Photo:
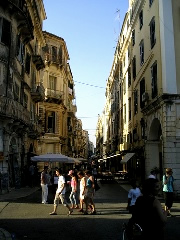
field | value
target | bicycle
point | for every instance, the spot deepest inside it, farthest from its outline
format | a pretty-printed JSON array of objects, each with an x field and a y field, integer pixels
[{"x": 132, "y": 231}]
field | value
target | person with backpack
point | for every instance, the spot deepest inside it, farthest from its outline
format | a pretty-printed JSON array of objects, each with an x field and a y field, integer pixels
[{"x": 168, "y": 190}]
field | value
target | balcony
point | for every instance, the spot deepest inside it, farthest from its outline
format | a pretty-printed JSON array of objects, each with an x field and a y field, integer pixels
[
  {"x": 37, "y": 92},
  {"x": 38, "y": 62},
  {"x": 24, "y": 22},
  {"x": 72, "y": 109},
  {"x": 14, "y": 110},
  {"x": 54, "y": 96}
]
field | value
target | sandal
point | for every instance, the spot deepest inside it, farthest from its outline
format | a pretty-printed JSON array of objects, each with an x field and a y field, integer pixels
[
  {"x": 53, "y": 213},
  {"x": 81, "y": 210},
  {"x": 70, "y": 212}
]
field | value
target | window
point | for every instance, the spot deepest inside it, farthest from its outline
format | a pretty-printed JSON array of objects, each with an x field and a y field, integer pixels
[
  {"x": 142, "y": 90},
  {"x": 141, "y": 52},
  {"x": 129, "y": 76},
  {"x": 141, "y": 19},
  {"x": 33, "y": 111},
  {"x": 52, "y": 82},
  {"x": 60, "y": 55},
  {"x": 124, "y": 113},
  {"x": 27, "y": 65},
  {"x": 133, "y": 37},
  {"x": 5, "y": 31},
  {"x": 154, "y": 80},
  {"x": 152, "y": 32},
  {"x": 54, "y": 54},
  {"x": 124, "y": 86},
  {"x": 25, "y": 100},
  {"x": 50, "y": 119},
  {"x": 134, "y": 67},
  {"x": 150, "y": 2},
  {"x": 121, "y": 72},
  {"x": 129, "y": 51},
  {"x": 20, "y": 50},
  {"x": 135, "y": 102},
  {"x": 129, "y": 104},
  {"x": 16, "y": 90},
  {"x": 135, "y": 135}
]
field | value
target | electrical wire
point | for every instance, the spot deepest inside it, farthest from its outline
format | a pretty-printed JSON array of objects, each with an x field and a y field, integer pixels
[{"x": 91, "y": 85}]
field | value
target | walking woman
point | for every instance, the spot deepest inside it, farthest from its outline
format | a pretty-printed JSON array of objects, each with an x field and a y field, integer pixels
[
  {"x": 82, "y": 189},
  {"x": 74, "y": 188},
  {"x": 168, "y": 190},
  {"x": 89, "y": 198}
]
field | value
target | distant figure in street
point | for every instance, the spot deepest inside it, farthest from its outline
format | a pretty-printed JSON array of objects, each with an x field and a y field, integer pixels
[
  {"x": 148, "y": 212},
  {"x": 44, "y": 185},
  {"x": 55, "y": 183},
  {"x": 94, "y": 173},
  {"x": 168, "y": 189},
  {"x": 60, "y": 194},
  {"x": 133, "y": 194},
  {"x": 31, "y": 175},
  {"x": 152, "y": 174}
]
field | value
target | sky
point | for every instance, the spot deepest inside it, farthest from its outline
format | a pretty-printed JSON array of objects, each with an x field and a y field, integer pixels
[{"x": 90, "y": 29}]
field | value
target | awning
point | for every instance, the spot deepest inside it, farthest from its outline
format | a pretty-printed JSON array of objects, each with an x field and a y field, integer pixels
[
  {"x": 52, "y": 157},
  {"x": 127, "y": 157}
]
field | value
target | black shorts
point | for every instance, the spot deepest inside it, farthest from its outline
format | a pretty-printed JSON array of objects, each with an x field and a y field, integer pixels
[{"x": 168, "y": 197}]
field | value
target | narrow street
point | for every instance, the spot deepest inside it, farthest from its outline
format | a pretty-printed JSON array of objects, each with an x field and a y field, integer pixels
[{"x": 27, "y": 218}]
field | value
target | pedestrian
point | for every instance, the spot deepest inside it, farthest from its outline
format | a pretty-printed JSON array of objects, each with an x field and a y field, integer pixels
[
  {"x": 74, "y": 189},
  {"x": 44, "y": 185},
  {"x": 31, "y": 175},
  {"x": 133, "y": 194},
  {"x": 89, "y": 195},
  {"x": 82, "y": 189},
  {"x": 94, "y": 173},
  {"x": 152, "y": 174},
  {"x": 60, "y": 194},
  {"x": 148, "y": 212},
  {"x": 55, "y": 183},
  {"x": 168, "y": 189}
]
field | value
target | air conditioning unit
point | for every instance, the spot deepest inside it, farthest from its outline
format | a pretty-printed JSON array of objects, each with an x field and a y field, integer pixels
[{"x": 145, "y": 97}]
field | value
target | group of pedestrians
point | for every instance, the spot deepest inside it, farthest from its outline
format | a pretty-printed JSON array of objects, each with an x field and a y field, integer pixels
[
  {"x": 82, "y": 186},
  {"x": 145, "y": 207}
]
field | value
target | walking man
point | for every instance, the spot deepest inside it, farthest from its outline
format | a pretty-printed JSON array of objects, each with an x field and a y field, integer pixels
[
  {"x": 44, "y": 185},
  {"x": 60, "y": 194}
]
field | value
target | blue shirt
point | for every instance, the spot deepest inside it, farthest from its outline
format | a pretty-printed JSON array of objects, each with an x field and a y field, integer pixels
[{"x": 169, "y": 186}]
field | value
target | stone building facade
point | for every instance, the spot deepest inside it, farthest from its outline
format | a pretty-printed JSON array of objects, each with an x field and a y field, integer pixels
[
  {"x": 143, "y": 93},
  {"x": 37, "y": 96}
]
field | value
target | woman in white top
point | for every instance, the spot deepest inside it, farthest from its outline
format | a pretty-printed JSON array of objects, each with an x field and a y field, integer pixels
[{"x": 82, "y": 189}]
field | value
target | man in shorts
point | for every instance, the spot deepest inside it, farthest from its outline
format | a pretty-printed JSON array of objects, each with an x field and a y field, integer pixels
[{"x": 60, "y": 193}]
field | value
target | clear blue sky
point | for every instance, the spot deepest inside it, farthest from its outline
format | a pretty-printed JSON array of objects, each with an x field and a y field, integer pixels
[{"x": 90, "y": 29}]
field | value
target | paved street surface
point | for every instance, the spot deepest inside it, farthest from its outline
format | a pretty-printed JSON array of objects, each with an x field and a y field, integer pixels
[{"x": 27, "y": 218}]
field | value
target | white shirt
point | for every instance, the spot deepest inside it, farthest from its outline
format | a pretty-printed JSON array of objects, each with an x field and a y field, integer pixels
[
  {"x": 152, "y": 176},
  {"x": 61, "y": 181},
  {"x": 134, "y": 194}
]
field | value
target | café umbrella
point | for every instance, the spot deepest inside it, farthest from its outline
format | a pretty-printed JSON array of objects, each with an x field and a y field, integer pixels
[{"x": 52, "y": 157}]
